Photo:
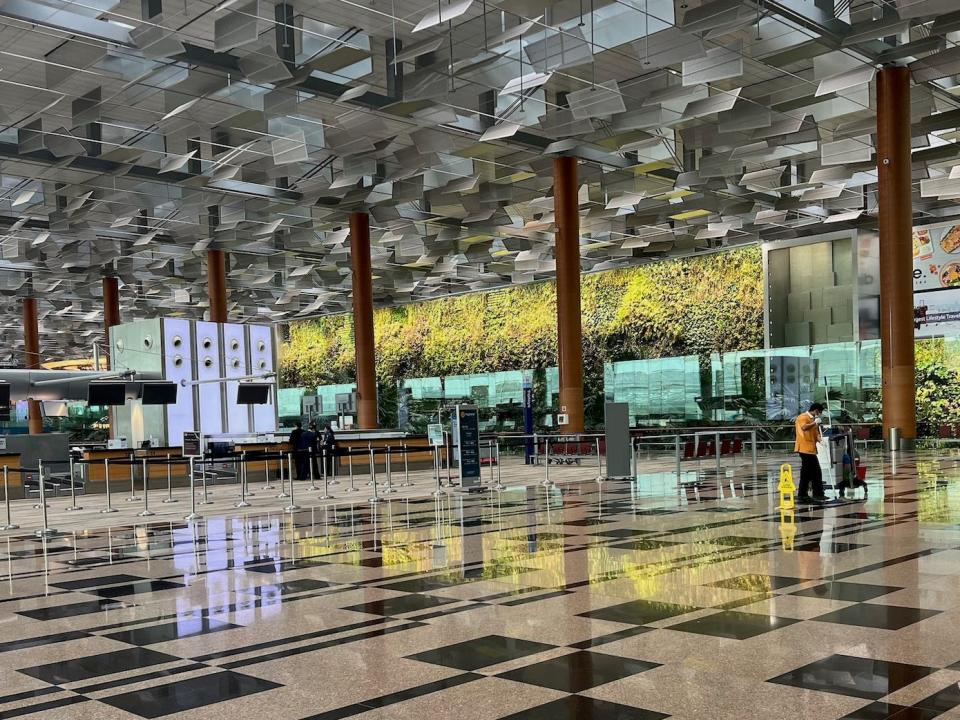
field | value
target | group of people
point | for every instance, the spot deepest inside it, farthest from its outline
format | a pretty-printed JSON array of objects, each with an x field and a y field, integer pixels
[
  {"x": 808, "y": 434},
  {"x": 308, "y": 447}
]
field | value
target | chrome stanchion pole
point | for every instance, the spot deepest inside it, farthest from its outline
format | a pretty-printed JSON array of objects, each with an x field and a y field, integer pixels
[
  {"x": 546, "y": 461},
  {"x": 266, "y": 475},
  {"x": 73, "y": 488},
  {"x": 490, "y": 448},
  {"x": 352, "y": 488},
  {"x": 203, "y": 479},
  {"x": 243, "y": 483},
  {"x": 436, "y": 471},
  {"x": 389, "y": 468},
  {"x": 45, "y": 530},
  {"x": 373, "y": 478},
  {"x": 283, "y": 484},
  {"x": 106, "y": 478},
  {"x": 326, "y": 479},
  {"x": 133, "y": 490},
  {"x": 372, "y": 461},
  {"x": 292, "y": 507},
  {"x": 406, "y": 467},
  {"x": 169, "y": 498},
  {"x": 676, "y": 450},
  {"x": 499, "y": 484},
  {"x": 6, "y": 499},
  {"x": 600, "y": 477},
  {"x": 146, "y": 512},
  {"x": 193, "y": 492},
  {"x": 311, "y": 459}
]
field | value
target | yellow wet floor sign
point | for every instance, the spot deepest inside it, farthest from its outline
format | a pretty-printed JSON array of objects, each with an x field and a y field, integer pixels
[{"x": 786, "y": 487}]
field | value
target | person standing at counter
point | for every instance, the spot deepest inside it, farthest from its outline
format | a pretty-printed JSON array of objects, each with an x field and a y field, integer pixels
[
  {"x": 296, "y": 445},
  {"x": 329, "y": 445}
]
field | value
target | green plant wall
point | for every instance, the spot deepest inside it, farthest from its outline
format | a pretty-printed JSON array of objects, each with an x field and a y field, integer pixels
[{"x": 698, "y": 306}]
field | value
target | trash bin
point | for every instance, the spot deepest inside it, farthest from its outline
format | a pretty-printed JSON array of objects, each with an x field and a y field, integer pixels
[{"x": 893, "y": 439}]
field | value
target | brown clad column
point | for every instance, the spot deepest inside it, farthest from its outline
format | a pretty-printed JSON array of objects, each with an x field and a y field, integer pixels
[
  {"x": 111, "y": 309},
  {"x": 363, "y": 320},
  {"x": 896, "y": 255},
  {"x": 217, "y": 285},
  {"x": 31, "y": 359},
  {"x": 567, "y": 253}
]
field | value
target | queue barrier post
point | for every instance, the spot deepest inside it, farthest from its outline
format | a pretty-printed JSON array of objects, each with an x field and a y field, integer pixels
[
  {"x": 292, "y": 507},
  {"x": 242, "y": 472},
  {"x": 406, "y": 467},
  {"x": 436, "y": 471},
  {"x": 133, "y": 490},
  {"x": 6, "y": 499},
  {"x": 373, "y": 478},
  {"x": 283, "y": 486},
  {"x": 326, "y": 478},
  {"x": 193, "y": 492},
  {"x": 146, "y": 512},
  {"x": 44, "y": 531},
  {"x": 389, "y": 469},
  {"x": 311, "y": 460},
  {"x": 169, "y": 498},
  {"x": 352, "y": 488},
  {"x": 106, "y": 479},
  {"x": 73, "y": 488},
  {"x": 498, "y": 485}
]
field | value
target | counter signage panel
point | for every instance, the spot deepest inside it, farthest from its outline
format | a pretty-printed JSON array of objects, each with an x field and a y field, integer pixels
[
  {"x": 192, "y": 446},
  {"x": 435, "y": 434},
  {"x": 468, "y": 442}
]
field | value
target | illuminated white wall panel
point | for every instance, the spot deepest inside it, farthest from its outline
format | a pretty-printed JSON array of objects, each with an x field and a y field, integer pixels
[
  {"x": 260, "y": 342},
  {"x": 235, "y": 365},
  {"x": 177, "y": 366},
  {"x": 208, "y": 367}
]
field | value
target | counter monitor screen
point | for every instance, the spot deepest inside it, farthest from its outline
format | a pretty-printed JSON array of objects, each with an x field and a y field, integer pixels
[
  {"x": 106, "y": 393},
  {"x": 159, "y": 393},
  {"x": 253, "y": 393}
]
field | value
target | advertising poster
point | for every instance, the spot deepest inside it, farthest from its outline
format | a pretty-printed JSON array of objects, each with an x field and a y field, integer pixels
[{"x": 936, "y": 280}]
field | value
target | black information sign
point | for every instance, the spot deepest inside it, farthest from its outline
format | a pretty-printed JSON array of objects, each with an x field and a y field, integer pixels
[
  {"x": 191, "y": 445},
  {"x": 468, "y": 440}
]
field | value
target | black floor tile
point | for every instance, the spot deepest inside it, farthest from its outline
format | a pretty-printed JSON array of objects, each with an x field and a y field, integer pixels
[
  {"x": 611, "y": 637},
  {"x": 189, "y": 694},
  {"x": 854, "y": 676},
  {"x": 827, "y": 548},
  {"x": 400, "y": 605},
  {"x": 734, "y": 625},
  {"x": 58, "y": 612},
  {"x": 578, "y": 671},
  {"x": 89, "y": 561},
  {"x": 288, "y": 587},
  {"x": 886, "y": 617},
  {"x": 38, "y": 551},
  {"x": 644, "y": 544},
  {"x": 136, "y": 588},
  {"x": 183, "y": 628},
  {"x": 874, "y": 711},
  {"x": 91, "y": 666},
  {"x": 736, "y": 540},
  {"x": 24, "y": 643},
  {"x": 577, "y": 707},
  {"x": 480, "y": 653},
  {"x": 942, "y": 701},
  {"x": 96, "y": 582},
  {"x": 638, "y": 612},
  {"x": 622, "y": 533},
  {"x": 851, "y": 592},
  {"x": 757, "y": 583}
]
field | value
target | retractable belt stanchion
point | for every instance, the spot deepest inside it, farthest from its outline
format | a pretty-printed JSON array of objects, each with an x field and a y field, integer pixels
[
  {"x": 203, "y": 479},
  {"x": 323, "y": 471},
  {"x": 599, "y": 461},
  {"x": 373, "y": 478},
  {"x": 45, "y": 530},
  {"x": 266, "y": 473},
  {"x": 332, "y": 472},
  {"x": 73, "y": 488},
  {"x": 546, "y": 461},
  {"x": 491, "y": 463},
  {"x": 242, "y": 468},
  {"x": 352, "y": 488},
  {"x": 292, "y": 507},
  {"x": 133, "y": 490},
  {"x": 436, "y": 471},
  {"x": 146, "y": 512},
  {"x": 389, "y": 468},
  {"x": 169, "y": 498},
  {"x": 498, "y": 485},
  {"x": 106, "y": 479},
  {"x": 406, "y": 467},
  {"x": 372, "y": 468},
  {"x": 193, "y": 492},
  {"x": 6, "y": 499},
  {"x": 283, "y": 487},
  {"x": 311, "y": 460}
]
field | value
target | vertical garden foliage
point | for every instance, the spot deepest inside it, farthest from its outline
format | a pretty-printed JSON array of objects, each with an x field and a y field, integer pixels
[{"x": 698, "y": 306}]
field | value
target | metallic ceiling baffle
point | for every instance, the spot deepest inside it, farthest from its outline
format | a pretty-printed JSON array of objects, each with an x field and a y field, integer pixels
[
  {"x": 217, "y": 285},
  {"x": 123, "y": 125},
  {"x": 31, "y": 359},
  {"x": 896, "y": 252},
  {"x": 364, "y": 342},
  {"x": 567, "y": 253}
]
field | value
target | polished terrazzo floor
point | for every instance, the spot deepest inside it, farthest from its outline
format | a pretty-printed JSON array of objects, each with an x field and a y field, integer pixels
[{"x": 642, "y": 599}]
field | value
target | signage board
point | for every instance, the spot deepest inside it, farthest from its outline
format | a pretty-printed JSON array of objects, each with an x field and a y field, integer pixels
[
  {"x": 192, "y": 444},
  {"x": 468, "y": 444},
  {"x": 3, "y": 442},
  {"x": 936, "y": 279},
  {"x": 435, "y": 434}
]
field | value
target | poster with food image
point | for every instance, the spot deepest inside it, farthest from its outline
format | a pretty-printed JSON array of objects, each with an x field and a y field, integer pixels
[{"x": 936, "y": 279}]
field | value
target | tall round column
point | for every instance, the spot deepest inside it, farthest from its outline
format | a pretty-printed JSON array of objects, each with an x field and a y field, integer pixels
[
  {"x": 217, "y": 285},
  {"x": 567, "y": 253},
  {"x": 896, "y": 254},
  {"x": 363, "y": 320},
  {"x": 111, "y": 309},
  {"x": 31, "y": 359}
]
